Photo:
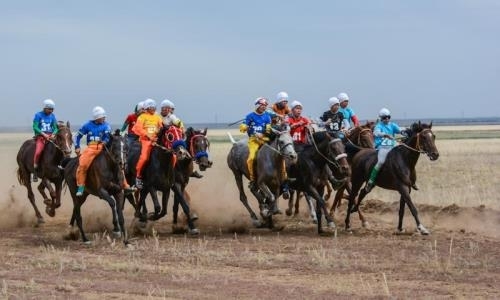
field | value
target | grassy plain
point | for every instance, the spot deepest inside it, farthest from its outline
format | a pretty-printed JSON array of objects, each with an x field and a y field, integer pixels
[{"x": 458, "y": 201}]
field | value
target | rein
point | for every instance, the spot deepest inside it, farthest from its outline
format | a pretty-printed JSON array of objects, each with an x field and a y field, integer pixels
[
  {"x": 196, "y": 156},
  {"x": 337, "y": 158},
  {"x": 356, "y": 145},
  {"x": 418, "y": 148},
  {"x": 279, "y": 151}
]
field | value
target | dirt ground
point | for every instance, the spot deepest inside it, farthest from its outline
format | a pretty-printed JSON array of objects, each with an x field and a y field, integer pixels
[{"x": 231, "y": 259}]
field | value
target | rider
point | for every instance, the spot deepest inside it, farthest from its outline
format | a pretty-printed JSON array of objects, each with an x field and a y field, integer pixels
[
  {"x": 169, "y": 118},
  {"x": 130, "y": 122},
  {"x": 280, "y": 107},
  {"x": 384, "y": 133},
  {"x": 98, "y": 133},
  {"x": 256, "y": 125},
  {"x": 147, "y": 127},
  {"x": 349, "y": 114},
  {"x": 45, "y": 128},
  {"x": 298, "y": 126},
  {"x": 333, "y": 118}
]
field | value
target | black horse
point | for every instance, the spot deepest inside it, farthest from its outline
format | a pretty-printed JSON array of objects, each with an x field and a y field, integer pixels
[
  {"x": 159, "y": 175},
  {"x": 312, "y": 174},
  {"x": 52, "y": 155},
  {"x": 398, "y": 171},
  {"x": 104, "y": 180}
]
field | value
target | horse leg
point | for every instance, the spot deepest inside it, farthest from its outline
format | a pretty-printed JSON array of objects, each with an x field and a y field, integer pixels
[
  {"x": 141, "y": 206},
  {"x": 185, "y": 208},
  {"x": 58, "y": 185},
  {"x": 401, "y": 214},
  {"x": 312, "y": 210},
  {"x": 194, "y": 215},
  {"x": 288, "y": 211},
  {"x": 31, "y": 197},
  {"x": 164, "y": 203},
  {"x": 337, "y": 200},
  {"x": 352, "y": 204},
  {"x": 120, "y": 203},
  {"x": 156, "y": 203},
  {"x": 112, "y": 203},
  {"x": 297, "y": 204},
  {"x": 405, "y": 196},
  {"x": 41, "y": 189},
  {"x": 77, "y": 216},
  {"x": 329, "y": 190},
  {"x": 243, "y": 198}
]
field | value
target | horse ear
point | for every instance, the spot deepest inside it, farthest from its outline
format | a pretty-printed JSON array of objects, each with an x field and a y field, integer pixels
[
  {"x": 430, "y": 125},
  {"x": 67, "y": 124},
  {"x": 205, "y": 131}
]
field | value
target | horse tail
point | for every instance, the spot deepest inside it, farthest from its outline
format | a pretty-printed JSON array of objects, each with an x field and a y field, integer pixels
[
  {"x": 20, "y": 176},
  {"x": 233, "y": 141}
]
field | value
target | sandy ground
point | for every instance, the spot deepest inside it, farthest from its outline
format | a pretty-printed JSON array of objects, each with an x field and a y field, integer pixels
[{"x": 232, "y": 259}]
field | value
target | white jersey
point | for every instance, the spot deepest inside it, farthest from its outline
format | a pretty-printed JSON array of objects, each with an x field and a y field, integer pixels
[{"x": 171, "y": 119}]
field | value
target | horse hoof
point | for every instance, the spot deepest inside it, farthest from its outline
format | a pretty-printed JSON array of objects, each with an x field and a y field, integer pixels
[
  {"x": 194, "y": 231},
  {"x": 423, "y": 230},
  {"x": 288, "y": 212},
  {"x": 315, "y": 221},
  {"x": 50, "y": 211},
  {"x": 354, "y": 209},
  {"x": 47, "y": 202},
  {"x": 365, "y": 224},
  {"x": 117, "y": 234},
  {"x": 57, "y": 205},
  {"x": 40, "y": 221},
  {"x": 194, "y": 217},
  {"x": 87, "y": 243},
  {"x": 277, "y": 212},
  {"x": 265, "y": 213},
  {"x": 331, "y": 225},
  {"x": 256, "y": 223}
]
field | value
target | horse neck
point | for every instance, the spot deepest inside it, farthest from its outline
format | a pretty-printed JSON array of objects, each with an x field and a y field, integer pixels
[
  {"x": 411, "y": 155},
  {"x": 52, "y": 153}
]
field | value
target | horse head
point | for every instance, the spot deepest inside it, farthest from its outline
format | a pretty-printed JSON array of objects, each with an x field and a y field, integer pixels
[
  {"x": 198, "y": 147},
  {"x": 362, "y": 136},
  {"x": 117, "y": 148},
  {"x": 284, "y": 143},
  {"x": 63, "y": 138},
  {"x": 421, "y": 137},
  {"x": 171, "y": 137},
  {"x": 336, "y": 154}
]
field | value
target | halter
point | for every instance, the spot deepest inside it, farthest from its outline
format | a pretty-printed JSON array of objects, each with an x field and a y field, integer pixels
[
  {"x": 59, "y": 147},
  {"x": 278, "y": 149},
  {"x": 419, "y": 147},
  {"x": 199, "y": 154},
  {"x": 337, "y": 158}
]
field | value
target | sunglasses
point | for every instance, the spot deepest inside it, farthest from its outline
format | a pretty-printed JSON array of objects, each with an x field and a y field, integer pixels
[{"x": 386, "y": 118}]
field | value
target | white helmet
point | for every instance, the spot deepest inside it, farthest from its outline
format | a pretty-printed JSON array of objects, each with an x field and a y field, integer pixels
[
  {"x": 98, "y": 112},
  {"x": 140, "y": 105},
  {"x": 384, "y": 112},
  {"x": 260, "y": 101},
  {"x": 282, "y": 96},
  {"x": 149, "y": 103},
  {"x": 48, "y": 103},
  {"x": 296, "y": 103},
  {"x": 343, "y": 97},
  {"x": 167, "y": 103},
  {"x": 333, "y": 100}
]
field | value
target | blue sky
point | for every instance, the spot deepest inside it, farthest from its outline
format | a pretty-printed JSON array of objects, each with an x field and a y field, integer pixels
[{"x": 421, "y": 59}]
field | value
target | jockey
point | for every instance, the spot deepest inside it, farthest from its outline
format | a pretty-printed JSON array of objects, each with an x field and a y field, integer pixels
[
  {"x": 280, "y": 107},
  {"x": 130, "y": 122},
  {"x": 147, "y": 127},
  {"x": 384, "y": 133},
  {"x": 349, "y": 114},
  {"x": 45, "y": 127},
  {"x": 256, "y": 125},
  {"x": 298, "y": 126},
  {"x": 333, "y": 118},
  {"x": 167, "y": 113},
  {"x": 98, "y": 133}
]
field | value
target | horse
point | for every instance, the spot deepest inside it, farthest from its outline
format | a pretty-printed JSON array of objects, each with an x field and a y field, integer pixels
[
  {"x": 104, "y": 180},
  {"x": 268, "y": 172},
  {"x": 312, "y": 174},
  {"x": 358, "y": 138},
  {"x": 48, "y": 170},
  {"x": 198, "y": 146},
  {"x": 397, "y": 173},
  {"x": 159, "y": 175}
]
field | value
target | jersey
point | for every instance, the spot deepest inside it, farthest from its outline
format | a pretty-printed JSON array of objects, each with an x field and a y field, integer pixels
[
  {"x": 348, "y": 116},
  {"x": 281, "y": 112},
  {"x": 298, "y": 132},
  {"x": 257, "y": 123},
  {"x": 336, "y": 119},
  {"x": 172, "y": 119},
  {"x": 130, "y": 122},
  {"x": 96, "y": 133},
  {"x": 382, "y": 129},
  {"x": 148, "y": 125},
  {"x": 44, "y": 123}
]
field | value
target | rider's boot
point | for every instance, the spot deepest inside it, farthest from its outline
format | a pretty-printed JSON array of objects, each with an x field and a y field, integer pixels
[
  {"x": 80, "y": 190},
  {"x": 35, "y": 170},
  {"x": 371, "y": 182}
]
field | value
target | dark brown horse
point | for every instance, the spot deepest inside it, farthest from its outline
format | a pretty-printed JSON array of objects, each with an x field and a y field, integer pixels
[
  {"x": 396, "y": 173},
  {"x": 104, "y": 180},
  {"x": 53, "y": 153},
  {"x": 358, "y": 138},
  {"x": 312, "y": 174}
]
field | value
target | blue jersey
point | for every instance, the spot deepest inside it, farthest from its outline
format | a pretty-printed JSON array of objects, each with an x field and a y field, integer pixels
[
  {"x": 96, "y": 133},
  {"x": 257, "y": 123},
  {"x": 348, "y": 114},
  {"x": 43, "y": 123},
  {"x": 382, "y": 129}
]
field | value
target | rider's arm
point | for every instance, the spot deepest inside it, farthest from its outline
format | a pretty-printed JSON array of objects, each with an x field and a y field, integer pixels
[
  {"x": 55, "y": 127},
  {"x": 355, "y": 120}
]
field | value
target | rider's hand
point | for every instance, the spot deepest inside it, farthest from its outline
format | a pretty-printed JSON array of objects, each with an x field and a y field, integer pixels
[
  {"x": 259, "y": 135},
  {"x": 52, "y": 137},
  {"x": 387, "y": 136},
  {"x": 77, "y": 151}
]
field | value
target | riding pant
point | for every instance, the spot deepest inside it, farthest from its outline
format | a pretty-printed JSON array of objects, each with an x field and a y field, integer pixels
[
  {"x": 146, "y": 147},
  {"x": 253, "y": 146},
  {"x": 381, "y": 155},
  {"x": 40, "y": 142},
  {"x": 85, "y": 160}
]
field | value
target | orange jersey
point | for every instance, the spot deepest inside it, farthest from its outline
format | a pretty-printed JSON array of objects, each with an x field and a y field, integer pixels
[
  {"x": 281, "y": 112},
  {"x": 148, "y": 125}
]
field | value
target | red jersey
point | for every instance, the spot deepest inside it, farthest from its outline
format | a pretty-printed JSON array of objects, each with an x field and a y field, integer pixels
[
  {"x": 298, "y": 129},
  {"x": 130, "y": 121}
]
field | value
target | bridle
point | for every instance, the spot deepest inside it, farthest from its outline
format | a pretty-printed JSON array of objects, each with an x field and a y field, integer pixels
[
  {"x": 362, "y": 132},
  {"x": 279, "y": 149},
  {"x": 419, "y": 148},
  {"x": 338, "y": 157},
  {"x": 199, "y": 154}
]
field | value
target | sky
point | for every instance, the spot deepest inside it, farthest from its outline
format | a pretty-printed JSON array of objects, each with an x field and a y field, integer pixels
[{"x": 421, "y": 59}]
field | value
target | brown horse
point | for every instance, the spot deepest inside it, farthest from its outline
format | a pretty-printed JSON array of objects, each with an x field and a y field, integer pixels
[
  {"x": 397, "y": 172},
  {"x": 358, "y": 138},
  {"x": 53, "y": 153}
]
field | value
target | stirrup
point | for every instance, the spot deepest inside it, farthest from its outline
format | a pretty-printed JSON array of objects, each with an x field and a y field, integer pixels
[
  {"x": 79, "y": 191},
  {"x": 368, "y": 187},
  {"x": 138, "y": 183},
  {"x": 35, "y": 178}
]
